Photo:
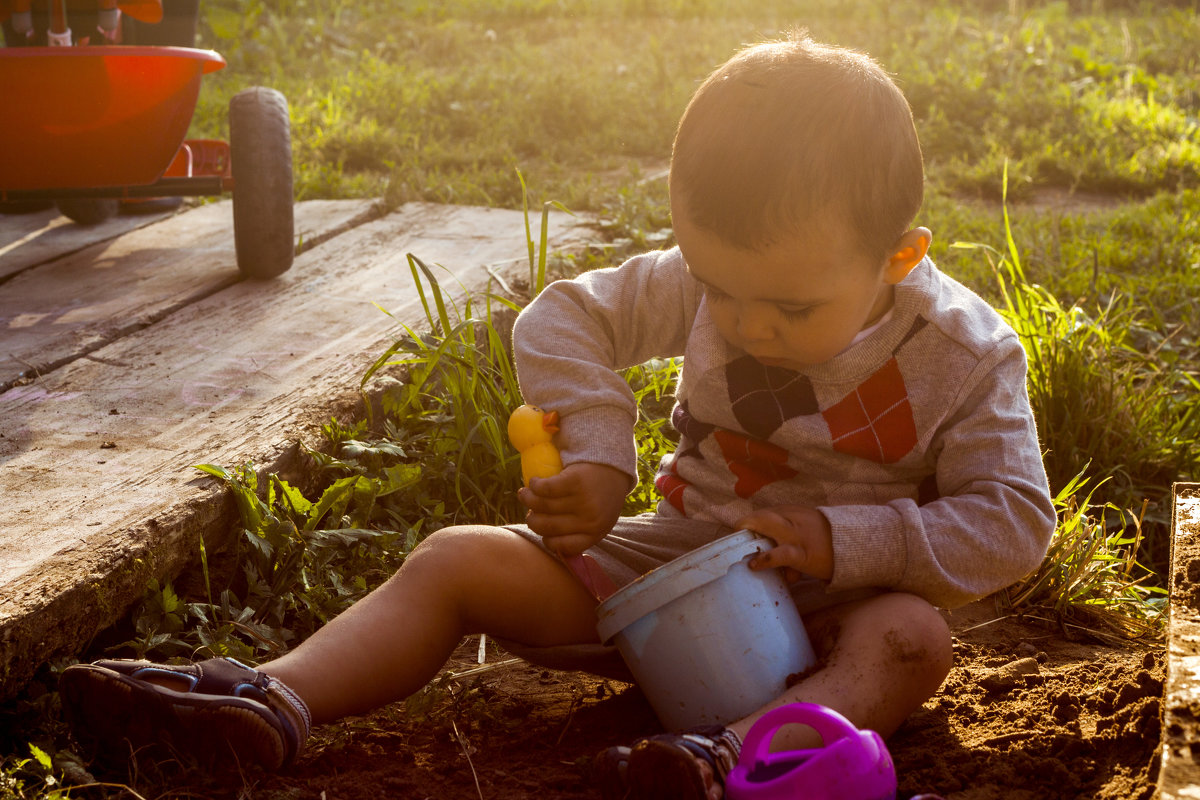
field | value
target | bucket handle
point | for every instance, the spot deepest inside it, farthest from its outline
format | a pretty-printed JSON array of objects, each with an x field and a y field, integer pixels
[{"x": 829, "y": 724}]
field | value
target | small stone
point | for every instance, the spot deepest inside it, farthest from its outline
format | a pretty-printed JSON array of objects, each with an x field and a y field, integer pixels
[{"x": 1006, "y": 677}]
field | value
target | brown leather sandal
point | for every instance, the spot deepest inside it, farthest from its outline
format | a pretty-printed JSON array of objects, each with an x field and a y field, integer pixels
[
  {"x": 667, "y": 766},
  {"x": 222, "y": 710}
]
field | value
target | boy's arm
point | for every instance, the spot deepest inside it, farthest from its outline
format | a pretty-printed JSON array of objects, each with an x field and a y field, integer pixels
[
  {"x": 994, "y": 517},
  {"x": 570, "y": 340}
]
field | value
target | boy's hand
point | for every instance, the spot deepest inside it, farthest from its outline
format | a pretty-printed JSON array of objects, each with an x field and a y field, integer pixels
[
  {"x": 575, "y": 508},
  {"x": 803, "y": 541}
]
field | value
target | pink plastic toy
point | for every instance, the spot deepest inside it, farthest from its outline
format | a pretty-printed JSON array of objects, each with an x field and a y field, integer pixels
[{"x": 853, "y": 764}]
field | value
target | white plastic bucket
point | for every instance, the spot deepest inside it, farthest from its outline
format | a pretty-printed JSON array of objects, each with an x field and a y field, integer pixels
[{"x": 707, "y": 639}]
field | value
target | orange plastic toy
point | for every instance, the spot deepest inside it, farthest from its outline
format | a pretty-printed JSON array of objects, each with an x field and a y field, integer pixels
[
  {"x": 89, "y": 122},
  {"x": 86, "y": 117}
]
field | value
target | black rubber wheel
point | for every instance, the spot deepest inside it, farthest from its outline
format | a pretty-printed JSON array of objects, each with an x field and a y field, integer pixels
[
  {"x": 89, "y": 210},
  {"x": 260, "y": 144}
]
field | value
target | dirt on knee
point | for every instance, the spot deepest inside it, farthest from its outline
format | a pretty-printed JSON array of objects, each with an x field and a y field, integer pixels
[
  {"x": 902, "y": 650},
  {"x": 824, "y": 636}
]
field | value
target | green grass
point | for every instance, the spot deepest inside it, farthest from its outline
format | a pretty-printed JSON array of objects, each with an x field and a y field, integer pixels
[
  {"x": 1090, "y": 583},
  {"x": 441, "y": 101},
  {"x": 1094, "y": 100},
  {"x": 1113, "y": 411}
]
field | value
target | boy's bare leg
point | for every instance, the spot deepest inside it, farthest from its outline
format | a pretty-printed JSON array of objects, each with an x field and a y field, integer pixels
[
  {"x": 459, "y": 581},
  {"x": 882, "y": 658}
]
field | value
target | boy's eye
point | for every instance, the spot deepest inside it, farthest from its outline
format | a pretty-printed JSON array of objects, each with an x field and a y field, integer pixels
[{"x": 796, "y": 314}]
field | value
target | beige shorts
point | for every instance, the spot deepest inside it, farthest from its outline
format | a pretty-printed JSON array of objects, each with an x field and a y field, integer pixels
[{"x": 635, "y": 546}]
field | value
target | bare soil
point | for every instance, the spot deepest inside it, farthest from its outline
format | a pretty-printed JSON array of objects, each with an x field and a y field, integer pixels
[{"x": 1026, "y": 713}]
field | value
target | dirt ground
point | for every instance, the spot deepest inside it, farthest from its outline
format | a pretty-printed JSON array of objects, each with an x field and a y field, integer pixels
[{"x": 1026, "y": 713}]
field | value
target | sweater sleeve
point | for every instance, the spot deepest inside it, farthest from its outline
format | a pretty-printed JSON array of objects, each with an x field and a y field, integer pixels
[
  {"x": 993, "y": 518},
  {"x": 569, "y": 342}
]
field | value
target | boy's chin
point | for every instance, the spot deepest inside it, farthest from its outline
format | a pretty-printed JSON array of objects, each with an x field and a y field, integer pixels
[{"x": 782, "y": 363}]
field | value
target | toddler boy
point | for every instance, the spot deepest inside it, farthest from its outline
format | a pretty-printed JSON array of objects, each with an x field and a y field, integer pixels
[{"x": 838, "y": 395}]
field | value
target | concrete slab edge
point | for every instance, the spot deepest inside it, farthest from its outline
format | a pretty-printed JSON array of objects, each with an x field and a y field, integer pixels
[{"x": 1179, "y": 774}]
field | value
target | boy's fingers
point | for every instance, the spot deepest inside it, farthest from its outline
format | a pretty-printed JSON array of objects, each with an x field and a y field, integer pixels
[
  {"x": 764, "y": 522},
  {"x": 545, "y": 504},
  {"x": 545, "y": 524},
  {"x": 566, "y": 524},
  {"x": 785, "y": 555},
  {"x": 570, "y": 544},
  {"x": 556, "y": 486}
]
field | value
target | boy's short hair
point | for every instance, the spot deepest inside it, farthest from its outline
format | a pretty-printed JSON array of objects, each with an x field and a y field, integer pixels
[{"x": 788, "y": 135}]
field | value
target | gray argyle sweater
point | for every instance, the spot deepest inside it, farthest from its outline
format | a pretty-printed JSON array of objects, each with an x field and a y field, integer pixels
[{"x": 917, "y": 443}]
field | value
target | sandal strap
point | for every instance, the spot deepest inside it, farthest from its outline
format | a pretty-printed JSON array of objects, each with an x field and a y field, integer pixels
[
  {"x": 715, "y": 744},
  {"x": 225, "y": 676}
]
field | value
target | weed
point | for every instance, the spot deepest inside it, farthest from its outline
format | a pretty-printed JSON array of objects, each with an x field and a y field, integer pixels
[
  {"x": 29, "y": 777},
  {"x": 300, "y": 563},
  {"x": 653, "y": 385},
  {"x": 1090, "y": 581},
  {"x": 1100, "y": 401}
]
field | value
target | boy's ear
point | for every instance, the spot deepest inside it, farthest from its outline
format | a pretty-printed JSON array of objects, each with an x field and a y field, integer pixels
[{"x": 906, "y": 254}]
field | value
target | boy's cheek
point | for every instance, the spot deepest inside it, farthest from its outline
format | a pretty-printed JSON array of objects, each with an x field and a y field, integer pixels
[{"x": 725, "y": 323}]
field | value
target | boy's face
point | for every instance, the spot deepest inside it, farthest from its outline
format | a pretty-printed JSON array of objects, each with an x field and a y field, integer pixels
[{"x": 794, "y": 304}]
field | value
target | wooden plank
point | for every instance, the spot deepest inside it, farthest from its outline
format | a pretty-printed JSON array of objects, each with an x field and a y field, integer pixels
[
  {"x": 96, "y": 457},
  {"x": 27, "y": 240},
  {"x": 74, "y": 305},
  {"x": 1179, "y": 775}
]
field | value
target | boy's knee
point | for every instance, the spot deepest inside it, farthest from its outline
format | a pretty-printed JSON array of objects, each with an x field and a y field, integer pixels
[
  {"x": 916, "y": 635},
  {"x": 459, "y": 544}
]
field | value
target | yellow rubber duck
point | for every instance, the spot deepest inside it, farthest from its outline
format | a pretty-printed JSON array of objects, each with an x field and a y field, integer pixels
[{"x": 531, "y": 430}]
